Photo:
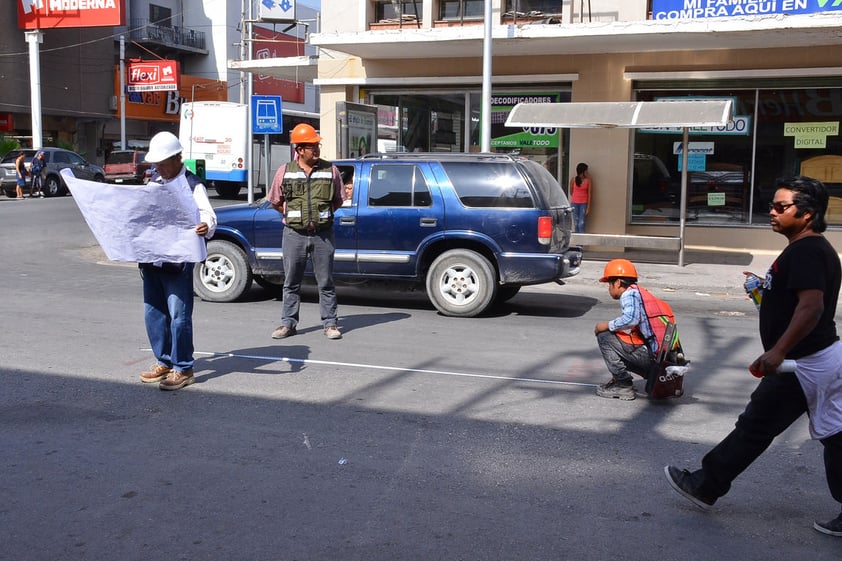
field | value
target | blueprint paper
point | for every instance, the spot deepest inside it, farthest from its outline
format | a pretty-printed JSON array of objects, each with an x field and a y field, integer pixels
[{"x": 141, "y": 223}]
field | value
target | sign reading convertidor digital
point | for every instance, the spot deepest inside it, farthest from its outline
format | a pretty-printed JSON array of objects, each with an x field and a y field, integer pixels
[
  {"x": 48, "y": 14},
  {"x": 704, "y": 9},
  {"x": 811, "y": 135}
]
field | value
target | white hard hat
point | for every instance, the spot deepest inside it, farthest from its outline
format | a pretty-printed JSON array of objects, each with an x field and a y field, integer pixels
[{"x": 162, "y": 146}]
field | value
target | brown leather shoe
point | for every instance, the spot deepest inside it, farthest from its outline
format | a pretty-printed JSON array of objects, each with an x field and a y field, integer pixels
[
  {"x": 156, "y": 374},
  {"x": 282, "y": 332},
  {"x": 177, "y": 380}
]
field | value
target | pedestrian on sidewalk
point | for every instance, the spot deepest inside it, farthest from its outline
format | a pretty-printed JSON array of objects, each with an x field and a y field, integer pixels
[
  {"x": 20, "y": 176},
  {"x": 35, "y": 170},
  {"x": 581, "y": 188},
  {"x": 797, "y": 309}
]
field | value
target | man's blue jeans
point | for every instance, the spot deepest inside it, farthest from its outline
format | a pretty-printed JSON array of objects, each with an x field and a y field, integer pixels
[
  {"x": 320, "y": 248},
  {"x": 168, "y": 313}
]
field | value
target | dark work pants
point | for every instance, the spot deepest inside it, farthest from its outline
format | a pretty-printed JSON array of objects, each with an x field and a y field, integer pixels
[
  {"x": 777, "y": 402},
  {"x": 623, "y": 358}
]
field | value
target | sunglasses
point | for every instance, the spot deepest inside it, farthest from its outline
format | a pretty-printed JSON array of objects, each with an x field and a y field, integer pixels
[
  {"x": 780, "y": 208},
  {"x": 311, "y": 147}
]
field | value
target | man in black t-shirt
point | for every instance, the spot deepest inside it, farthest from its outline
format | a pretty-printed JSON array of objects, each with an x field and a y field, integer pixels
[{"x": 800, "y": 293}]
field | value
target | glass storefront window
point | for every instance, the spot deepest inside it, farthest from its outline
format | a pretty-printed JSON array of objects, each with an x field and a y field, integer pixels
[
  {"x": 450, "y": 122},
  {"x": 731, "y": 170},
  {"x": 798, "y": 134}
]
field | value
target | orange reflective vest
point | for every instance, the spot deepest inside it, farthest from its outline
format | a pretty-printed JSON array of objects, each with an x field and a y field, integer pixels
[{"x": 633, "y": 337}]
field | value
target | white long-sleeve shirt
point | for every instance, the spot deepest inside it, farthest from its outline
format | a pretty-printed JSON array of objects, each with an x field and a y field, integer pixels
[{"x": 200, "y": 195}]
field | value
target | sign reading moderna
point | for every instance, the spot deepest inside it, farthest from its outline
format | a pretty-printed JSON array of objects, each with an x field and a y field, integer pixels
[
  {"x": 704, "y": 9},
  {"x": 48, "y": 14}
]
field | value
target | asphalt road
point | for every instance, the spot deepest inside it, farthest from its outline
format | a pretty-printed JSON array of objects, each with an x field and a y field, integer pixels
[{"x": 415, "y": 437}]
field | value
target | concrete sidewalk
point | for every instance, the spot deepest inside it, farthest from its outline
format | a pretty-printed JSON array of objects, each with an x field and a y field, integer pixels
[{"x": 708, "y": 270}]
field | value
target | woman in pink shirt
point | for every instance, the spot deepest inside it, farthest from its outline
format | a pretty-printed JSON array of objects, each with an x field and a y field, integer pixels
[{"x": 580, "y": 196}]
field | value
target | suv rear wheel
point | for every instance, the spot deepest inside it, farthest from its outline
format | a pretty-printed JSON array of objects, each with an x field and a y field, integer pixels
[
  {"x": 461, "y": 283},
  {"x": 225, "y": 275}
]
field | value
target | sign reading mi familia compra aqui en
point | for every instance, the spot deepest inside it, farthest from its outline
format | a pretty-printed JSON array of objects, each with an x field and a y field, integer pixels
[{"x": 703, "y": 9}]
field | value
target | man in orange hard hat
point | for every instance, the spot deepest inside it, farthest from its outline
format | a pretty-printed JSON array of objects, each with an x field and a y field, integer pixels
[
  {"x": 623, "y": 340},
  {"x": 307, "y": 191}
]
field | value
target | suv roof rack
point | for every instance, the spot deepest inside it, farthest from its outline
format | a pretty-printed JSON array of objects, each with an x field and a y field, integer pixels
[{"x": 481, "y": 156}]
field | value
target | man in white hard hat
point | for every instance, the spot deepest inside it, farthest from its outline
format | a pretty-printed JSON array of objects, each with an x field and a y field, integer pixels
[{"x": 168, "y": 287}]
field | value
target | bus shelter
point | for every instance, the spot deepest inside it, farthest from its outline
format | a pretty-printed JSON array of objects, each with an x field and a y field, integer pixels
[{"x": 684, "y": 114}]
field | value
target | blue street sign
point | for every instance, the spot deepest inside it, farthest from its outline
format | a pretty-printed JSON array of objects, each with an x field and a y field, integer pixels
[{"x": 266, "y": 115}]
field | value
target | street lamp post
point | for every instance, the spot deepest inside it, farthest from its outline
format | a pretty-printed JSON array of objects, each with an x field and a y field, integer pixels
[
  {"x": 485, "y": 110},
  {"x": 193, "y": 113}
]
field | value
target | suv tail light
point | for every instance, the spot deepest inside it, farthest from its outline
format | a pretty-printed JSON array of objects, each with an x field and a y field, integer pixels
[{"x": 545, "y": 229}]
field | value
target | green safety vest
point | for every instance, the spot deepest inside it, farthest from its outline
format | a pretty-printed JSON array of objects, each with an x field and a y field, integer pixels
[{"x": 309, "y": 200}]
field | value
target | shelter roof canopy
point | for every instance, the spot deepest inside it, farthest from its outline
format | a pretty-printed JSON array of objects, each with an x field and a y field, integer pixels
[{"x": 623, "y": 114}]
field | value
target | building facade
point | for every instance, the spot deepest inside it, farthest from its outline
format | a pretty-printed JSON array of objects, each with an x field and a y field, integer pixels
[
  {"x": 421, "y": 63},
  {"x": 80, "y": 81}
]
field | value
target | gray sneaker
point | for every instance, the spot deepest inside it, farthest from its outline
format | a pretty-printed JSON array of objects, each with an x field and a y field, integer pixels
[
  {"x": 282, "y": 332},
  {"x": 832, "y": 528},
  {"x": 615, "y": 390},
  {"x": 332, "y": 332}
]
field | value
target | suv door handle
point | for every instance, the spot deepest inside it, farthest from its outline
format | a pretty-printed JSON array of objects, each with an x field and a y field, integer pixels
[
  {"x": 429, "y": 222},
  {"x": 347, "y": 220}
]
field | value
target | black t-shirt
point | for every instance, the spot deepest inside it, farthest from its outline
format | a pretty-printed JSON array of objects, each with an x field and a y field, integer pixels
[{"x": 808, "y": 263}]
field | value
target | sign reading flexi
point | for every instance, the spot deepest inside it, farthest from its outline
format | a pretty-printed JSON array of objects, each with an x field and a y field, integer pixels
[
  {"x": 152, "y": 76},
  {"x": 48, "y": 14}
]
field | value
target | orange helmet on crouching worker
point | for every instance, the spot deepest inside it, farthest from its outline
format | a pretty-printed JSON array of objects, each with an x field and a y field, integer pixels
[
  {"x": 303, "y": 133},
  {"x": 619, "y": 268}
]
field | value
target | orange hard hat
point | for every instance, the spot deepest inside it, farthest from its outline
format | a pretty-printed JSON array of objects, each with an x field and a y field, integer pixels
[
  {"x": 619, "y": 268},
  {"x": 303, "y": 133}
]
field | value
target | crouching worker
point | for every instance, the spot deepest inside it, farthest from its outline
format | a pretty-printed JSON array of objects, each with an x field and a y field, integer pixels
[{"x": 623, "y": 340}]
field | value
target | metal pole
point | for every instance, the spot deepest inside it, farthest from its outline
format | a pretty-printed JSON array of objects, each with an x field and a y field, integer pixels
[
  {"x": 683, "y": 208},
  {"x": 267, "y": 147},
  {"x": 34, "y": 38},
  {"x": 192, "y": 116},
  {"x": 250, "y": 85},
  {"x": 243, "y": 36},
  {"x": 485, "y": 111},
  {"x": 122, "y": 92}
]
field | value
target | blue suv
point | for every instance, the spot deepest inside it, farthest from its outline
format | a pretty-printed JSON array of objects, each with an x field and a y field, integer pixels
[{"x": 473, "y": 228}]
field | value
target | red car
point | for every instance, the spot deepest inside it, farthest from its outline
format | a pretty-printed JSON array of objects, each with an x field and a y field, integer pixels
[{"x": 127, "y": 166}]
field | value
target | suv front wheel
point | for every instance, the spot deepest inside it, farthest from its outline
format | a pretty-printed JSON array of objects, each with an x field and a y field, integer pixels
[
  {"x": 225, "y": 275},
  {"x": 461, "y": 283}
]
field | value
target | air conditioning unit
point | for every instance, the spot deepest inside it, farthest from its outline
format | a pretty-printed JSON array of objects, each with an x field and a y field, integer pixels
[{"x": 112, "y": 104}]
